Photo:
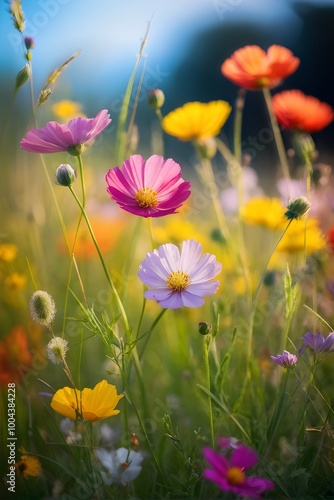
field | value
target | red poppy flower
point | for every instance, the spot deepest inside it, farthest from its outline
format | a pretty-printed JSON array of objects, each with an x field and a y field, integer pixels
[
  {"x": 297, "y": 111},
  {"x": 253, "y": 68}
]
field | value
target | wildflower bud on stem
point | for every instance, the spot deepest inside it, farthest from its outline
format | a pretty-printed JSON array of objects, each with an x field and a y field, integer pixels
[
  {"x": 65, "y": 175},
  {"x": 156, "y": 98},
  {"x": 297, "y": 207},
  {"x": 204, "y": 328}
]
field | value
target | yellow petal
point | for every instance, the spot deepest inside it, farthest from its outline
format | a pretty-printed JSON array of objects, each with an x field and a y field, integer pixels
[{"x": 197, "y": 120}]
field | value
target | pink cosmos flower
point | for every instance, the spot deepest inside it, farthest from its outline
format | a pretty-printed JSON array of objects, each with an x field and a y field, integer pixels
[
  {"x": 149, "y": 189},
  {"x": 179, "y": 279},
  {"x": 55, "y": 137},
  {"x": 229, "y": 473},
  {"x": 286, "y": 359}
]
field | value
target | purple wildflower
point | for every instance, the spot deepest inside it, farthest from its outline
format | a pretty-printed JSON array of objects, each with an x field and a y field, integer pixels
[
  {"x": 317, "y": 343},
  {"x": 229, "y": 473},
  {"x": 55, "y": 137},
  {"x": 287, "y": 360},
  {"x": 179, "y": 279}
]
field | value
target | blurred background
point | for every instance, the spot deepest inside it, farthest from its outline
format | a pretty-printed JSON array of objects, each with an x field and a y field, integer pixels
[{"x": 187, "y": 43}]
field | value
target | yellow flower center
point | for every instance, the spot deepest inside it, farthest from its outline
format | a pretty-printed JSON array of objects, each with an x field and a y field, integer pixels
[
  {"x": 178, "y": 281},
  {"x": 235, "y": 476},
  {"x": 146, "y": 198}
]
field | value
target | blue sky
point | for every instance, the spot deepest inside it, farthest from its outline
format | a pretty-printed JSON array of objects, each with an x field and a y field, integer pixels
[{"x": 109, "y": 34}]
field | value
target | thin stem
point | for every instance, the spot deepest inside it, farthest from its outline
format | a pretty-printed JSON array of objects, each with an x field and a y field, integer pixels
[
  {"x": 252, "y": 313},
  {"x": 238, "y": 125},
  {"x": 206, "y": 346},
  {"x": 149, "y": 333},
  {"x": 112, "y": 286},
  {"x": 277, "y": 135},
  {"x": 150, "y": 230},
  {"x": 212, "y": 186}
]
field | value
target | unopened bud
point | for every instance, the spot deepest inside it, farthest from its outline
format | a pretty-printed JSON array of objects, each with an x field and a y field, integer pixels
[
  {"x": 156, "y": 98},
  {"x": 304, "y": 145},
  {"x": 134, "y": 442},
  {"x": 29, "y": 42},
  {"x": 297, "y": 208},
  {"x": 42, "y": 307},
  {"x": 204, "y": 328},
  {"x": 65, "y": 175},
  {"x": 22, "y": 77},
  {"x": 206, "y": 148}
]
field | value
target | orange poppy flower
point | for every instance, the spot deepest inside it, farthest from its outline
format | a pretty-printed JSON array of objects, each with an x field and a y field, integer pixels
[
  {"x": 14, "y": 356},
  {"x": 253, "y": 68},
  {"x": 296, "y": 111},
  {"x": 107, "y": 233}
]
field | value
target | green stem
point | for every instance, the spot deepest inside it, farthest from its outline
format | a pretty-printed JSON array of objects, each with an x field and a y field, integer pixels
[
  {"x": 150, "y": 230},
  {"x": 252, "y": 315},
  {"x": 238, "y": 126},
  {"x": 212, "y": 186},
  {"x": 206, "y": 346},
  {"x": 112, "y": 286},
  {"x": 277, "y": 415},
  {"x": 149, "y": 333},
  {"x": 277, "y": 135}
]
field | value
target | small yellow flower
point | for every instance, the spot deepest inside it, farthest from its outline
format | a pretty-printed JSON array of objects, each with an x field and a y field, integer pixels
[
  {"x": 28, "y": 465},
  {"x": 67, "y": 110},
  {"x": 196, "y": 121},
  {"x": 15, "y": 281},
  {"x": 264, "y": 211},
  {"x": 8, "y": 252},
  {"x": 301, "y": 236},
  {"x": 90, "y": 404}
]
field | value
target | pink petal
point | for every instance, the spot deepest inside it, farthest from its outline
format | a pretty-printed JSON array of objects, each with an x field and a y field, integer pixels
[{"x": 244, "y": 457}]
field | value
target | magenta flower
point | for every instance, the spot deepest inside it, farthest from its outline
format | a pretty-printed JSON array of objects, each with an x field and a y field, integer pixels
[
  {"x": 55, "y": 137},
  {"x": 179, "y": 279},
  {"x": 229, "y": 473},
  {"x": 286, "y": 359},
  {"x": 317, "y": 343},
  {"x": 149, "y": 189}
]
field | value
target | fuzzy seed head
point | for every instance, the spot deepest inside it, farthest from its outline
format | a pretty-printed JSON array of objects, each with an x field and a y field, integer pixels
[
  {"x": 57, "y": 349},
  {"x": 42, "y": 307}
]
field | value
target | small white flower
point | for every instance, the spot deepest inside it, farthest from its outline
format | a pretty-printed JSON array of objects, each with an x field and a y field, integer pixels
[{"x": 122, "y": 465}]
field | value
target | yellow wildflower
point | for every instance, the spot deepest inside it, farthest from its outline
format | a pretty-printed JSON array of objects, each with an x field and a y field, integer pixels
[
  {"x": 196, "y": 121},
  {"x": 15, "y": 281},
  {"x": 264, "y": 211},
  {"x": 90, "y": 404},
  {"x": 67, "y": 110},
  {"x": 28, "y": 465},
  {"x": 8, "y": 252},
  {"x": 302, "y": 236}
]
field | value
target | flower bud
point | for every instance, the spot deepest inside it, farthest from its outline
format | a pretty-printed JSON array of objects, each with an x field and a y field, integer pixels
[
  {"x": 57, "y": 349},
  {"x": 42, "y": 308},
  {"x": 297, "y": 208},
  {"x": 204, "y": 328},
  {"x": 29, "y": 42},
  {"x": 156, "y": 98},
  {"x": 206, "y": 148},
  {"x": 22, "y": 77},
  {"x": 65, "y": 175},
  {"x": 304, "y": 145}
]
